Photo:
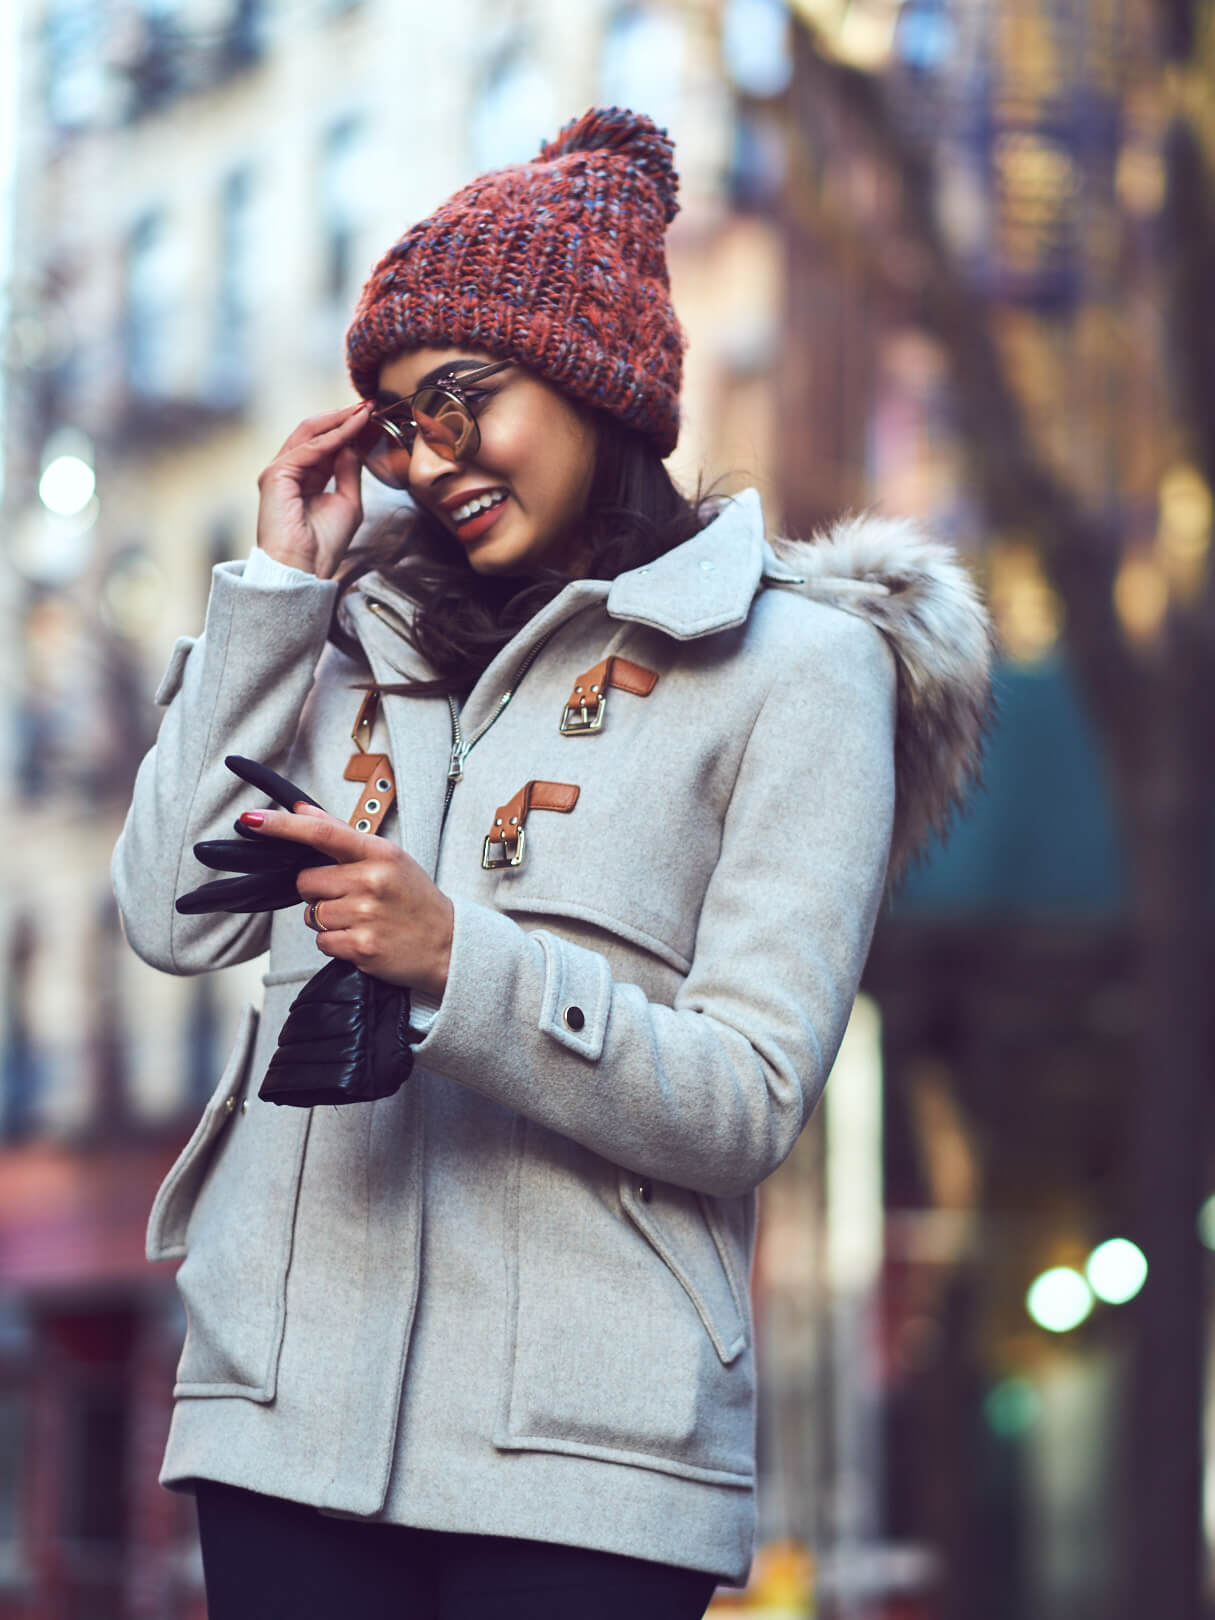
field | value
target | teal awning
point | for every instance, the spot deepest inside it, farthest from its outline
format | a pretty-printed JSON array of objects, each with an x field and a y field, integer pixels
[{"x": 1040, "y": 837}]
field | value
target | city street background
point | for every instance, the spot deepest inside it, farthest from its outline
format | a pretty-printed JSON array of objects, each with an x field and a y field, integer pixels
[{"x": 946, "y": 258}]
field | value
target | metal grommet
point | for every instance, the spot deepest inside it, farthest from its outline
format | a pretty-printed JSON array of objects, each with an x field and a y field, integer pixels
[
  {"x": 362, "y": 826},
  {"x": 383, "y": 785},
  {"x": 230, "y": 1104},
  {"x": 371, "y": 806},
  {"x": 574, "y": 1017}
]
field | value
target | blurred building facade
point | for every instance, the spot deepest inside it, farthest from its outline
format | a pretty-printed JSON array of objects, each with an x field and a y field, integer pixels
[
  {"x": 200, "y": 189},
  {"x": 1023, "y": 147}
]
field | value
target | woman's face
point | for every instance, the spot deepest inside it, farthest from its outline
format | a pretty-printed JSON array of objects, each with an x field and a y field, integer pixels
[{"x": 536, "y": 457}]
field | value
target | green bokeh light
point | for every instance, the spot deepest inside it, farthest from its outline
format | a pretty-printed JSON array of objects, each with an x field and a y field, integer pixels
[{"x": 1012, "y": 1407}]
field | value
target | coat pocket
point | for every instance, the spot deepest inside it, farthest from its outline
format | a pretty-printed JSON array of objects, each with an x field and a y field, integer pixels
[
  {"x": 713, "y": 1281},
  {"x": 236, "y": 1226},
  {"x": 628, "y": 1334},
  {"x": 171, "y": 1207}
]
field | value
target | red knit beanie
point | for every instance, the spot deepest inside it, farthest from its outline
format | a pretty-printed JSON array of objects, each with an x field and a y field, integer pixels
[{"x": 558, "y": 263}]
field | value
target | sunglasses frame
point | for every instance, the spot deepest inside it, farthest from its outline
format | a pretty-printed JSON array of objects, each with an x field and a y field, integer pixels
[{"x": 453, "y": 387}]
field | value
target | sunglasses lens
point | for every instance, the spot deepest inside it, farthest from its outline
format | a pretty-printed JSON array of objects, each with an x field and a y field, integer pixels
[
  {"x": 383, "y": 456},
  {"x": 445, "y": 423}
]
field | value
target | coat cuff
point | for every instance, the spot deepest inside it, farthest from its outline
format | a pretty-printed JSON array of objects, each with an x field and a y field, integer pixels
[
  {"x": 264, "y": 570},
  {"x": 502, "y": 975}
]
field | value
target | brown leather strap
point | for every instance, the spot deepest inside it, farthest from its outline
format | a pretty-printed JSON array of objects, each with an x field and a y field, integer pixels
[
  {"x": 583, "y": 702},
  {"x": 373, "y": 770},
  {"x": 364, "y": 723},
  {"x": 379, "y": 791},
  {"x": 509, "y": 818},
  {"x": 630, "y": 677}
]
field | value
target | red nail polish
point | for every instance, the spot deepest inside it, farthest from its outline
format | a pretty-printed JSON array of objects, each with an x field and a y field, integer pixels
[{"x": 252, "y": 818}]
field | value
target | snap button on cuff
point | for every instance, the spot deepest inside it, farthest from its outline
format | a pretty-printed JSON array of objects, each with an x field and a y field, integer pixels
[{"x": 575, "y": 1018}]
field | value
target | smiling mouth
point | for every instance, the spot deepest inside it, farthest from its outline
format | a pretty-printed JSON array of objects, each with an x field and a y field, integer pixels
[{"x": 478, "y": 504}]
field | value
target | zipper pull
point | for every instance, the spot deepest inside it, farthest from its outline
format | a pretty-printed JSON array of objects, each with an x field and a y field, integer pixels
[{"x": 455, "y": 769}]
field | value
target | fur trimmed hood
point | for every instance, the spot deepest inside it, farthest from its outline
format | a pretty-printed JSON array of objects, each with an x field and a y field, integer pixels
[{"x": 922, "y": 599}]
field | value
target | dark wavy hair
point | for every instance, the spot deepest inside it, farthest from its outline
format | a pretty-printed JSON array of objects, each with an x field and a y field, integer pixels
[{"x": 634, "y": 514}]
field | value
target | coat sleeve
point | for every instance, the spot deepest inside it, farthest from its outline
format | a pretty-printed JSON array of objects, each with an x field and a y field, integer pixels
[
  {"x": 711, "y": 1092},
  {"x": 237, "y": 689}
]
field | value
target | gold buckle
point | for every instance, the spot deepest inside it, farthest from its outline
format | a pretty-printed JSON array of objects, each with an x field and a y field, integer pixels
[
  {"x": 507, "y": 858},
  {"x": 585, "y": 722}
]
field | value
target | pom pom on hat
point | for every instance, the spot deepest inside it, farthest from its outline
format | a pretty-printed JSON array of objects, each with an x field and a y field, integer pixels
[
  {"x": 628, "y": 134},
  {"x": 558, "y": 263}
]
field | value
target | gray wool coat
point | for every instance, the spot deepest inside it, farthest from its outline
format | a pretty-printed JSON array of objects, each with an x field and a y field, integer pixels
[{"x": 513, "y": 1298}]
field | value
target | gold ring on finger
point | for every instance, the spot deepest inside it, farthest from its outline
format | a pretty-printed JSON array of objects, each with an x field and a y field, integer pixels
[{"x": 312, "y": 917}]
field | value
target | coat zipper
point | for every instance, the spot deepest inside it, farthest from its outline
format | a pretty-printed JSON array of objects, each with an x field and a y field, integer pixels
[{"x": 461, "y": 746}]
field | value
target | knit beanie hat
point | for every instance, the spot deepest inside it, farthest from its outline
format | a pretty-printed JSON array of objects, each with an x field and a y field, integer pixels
[{"x": 557, "y": 263}]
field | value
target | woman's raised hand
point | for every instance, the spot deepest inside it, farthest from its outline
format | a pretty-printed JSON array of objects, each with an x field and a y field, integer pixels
[
  {"x": 299, "y": 521},
  {"x": 378, "y": 908}
]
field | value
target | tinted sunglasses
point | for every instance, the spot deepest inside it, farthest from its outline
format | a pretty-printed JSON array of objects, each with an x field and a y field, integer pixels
[{"x": 443, "y": 412}]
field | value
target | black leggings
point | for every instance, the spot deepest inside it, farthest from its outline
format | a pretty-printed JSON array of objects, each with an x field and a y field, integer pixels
[{"x": 267, "y": 1559}]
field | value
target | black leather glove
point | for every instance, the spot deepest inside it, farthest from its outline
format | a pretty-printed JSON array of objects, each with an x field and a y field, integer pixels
[
  {"x": 346, "y": 1035},
  {"x": 269, "y": 866}
]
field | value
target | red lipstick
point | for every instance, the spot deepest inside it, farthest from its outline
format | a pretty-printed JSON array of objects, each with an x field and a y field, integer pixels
[{"x": 478, "y": 525}]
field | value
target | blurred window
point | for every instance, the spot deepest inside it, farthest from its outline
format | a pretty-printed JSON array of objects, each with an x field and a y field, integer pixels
[
  {"x": 223, "y": 545},
  {"x": 157, "y": 64},
  {"x": 641, "y": 63},
  {"x": 231, "y": 362},
  {"x": 344, "y": 170},
  {"x": 202, "y": 1032},
  {"x": 757, "y": 159},
  {"x": 12, "y": 1475},
  {"x": 926, "y": 36},
  {"x": 20, "y": 1078},
  {"x": 96, "y": 1503},
  {"x": 155, "y": 278},
  {"x": 74, "y": 38},
  {"x": 245, "y": 36},
  {"x": 515, "y": 111},
  {"x": 757, "y": 46}
]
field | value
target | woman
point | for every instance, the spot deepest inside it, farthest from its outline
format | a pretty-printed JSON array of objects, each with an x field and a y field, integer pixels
[{"x": 496, "y": 1327}]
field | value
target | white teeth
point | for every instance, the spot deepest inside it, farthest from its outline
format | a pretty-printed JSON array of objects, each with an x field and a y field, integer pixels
[{"x": 479, "y": 503}]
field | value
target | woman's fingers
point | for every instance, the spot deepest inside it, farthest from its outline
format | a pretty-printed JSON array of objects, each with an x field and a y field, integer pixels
[
  {"x": 323, "y": 882},
  {"x": 348, "y": 476},
  {"x": 306, "y": 459},
  {"x": 315, "y": 828},
  {"x": 300, "y": 521},
  {"x": 328, "y": 428},
  {"x": 336, "y": 913},
  {"x": 379, "y": 909},
  {"x": 310, "y": 464}
]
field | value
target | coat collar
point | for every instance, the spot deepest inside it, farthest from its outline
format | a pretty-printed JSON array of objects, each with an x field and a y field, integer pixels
[
  {"x": 705, "y": 585},
  {"x": 708, "y": 583}
]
